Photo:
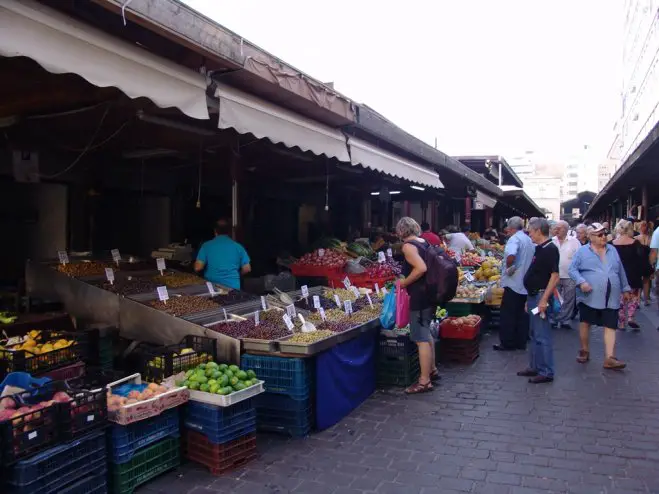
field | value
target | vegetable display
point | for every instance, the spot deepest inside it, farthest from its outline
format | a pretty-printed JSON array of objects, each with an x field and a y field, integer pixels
[
  {"x": 184, "y": 305},
  {"x": 328, "y": 259},
  {"x": 220, "y": 379}
]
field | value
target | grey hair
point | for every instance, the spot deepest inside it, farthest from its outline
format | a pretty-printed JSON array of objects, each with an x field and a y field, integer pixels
[
  {"x": 539, "y": 224},
  {"x": 407, "y": 227},
  {"x": 516, "y": 223},
  {"x": 563, "y": 224},
  {"x": 625, "y": 227},
  {"x": 581, "y": 226}
]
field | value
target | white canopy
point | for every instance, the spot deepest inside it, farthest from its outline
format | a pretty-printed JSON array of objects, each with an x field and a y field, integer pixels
[
  {"x": 249, "y": 114},
  {"x": 487, "y": 201},
  {"x": 61, "y": 44},
  {"x": 371, "y": 157}
]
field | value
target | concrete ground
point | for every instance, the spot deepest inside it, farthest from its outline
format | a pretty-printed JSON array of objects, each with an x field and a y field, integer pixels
[{"x": 483, "y": 430}]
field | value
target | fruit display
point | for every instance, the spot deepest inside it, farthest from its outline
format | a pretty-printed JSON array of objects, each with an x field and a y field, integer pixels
[
  {"x": 489, "y": 271},
  {"x": 178, "y": 280},
  {"x": 220, "y": 379},
  {"x": 230, "y": 297},
  {"x": 471, "y": 259},
  {"x": 11, "y": 409},
  {"x": 465, "y": 328},
  {"x": 311, "y": 337},
  {"x": 383, "y": 270},
  {"x": 336, "y": 327},
  {"x": 131, "y": 393},
  {"x": 342, "y": 293},
  {"x": 234, "y": 329},
  {"x": 469, "y": 292},
  {"x": 194, "y": 359},
  {"x": 307, "y": 304},
  {"x": 358, "y": 249},
  {"x": 82, "y": 269},
  {"x": 8, "y": 318},
  {"x": 128, "y": 286},
  {"x": 329, "y": 259},
  {"x": 329, "y": 243},
  {"x": 331, "y": 315},
  {"x": 183, "y": 305}
]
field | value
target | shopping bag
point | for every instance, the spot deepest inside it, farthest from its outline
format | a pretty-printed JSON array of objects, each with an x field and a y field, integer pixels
[
  {"x": 388, "y": 313},
  {"x": 402, "y": 307}
]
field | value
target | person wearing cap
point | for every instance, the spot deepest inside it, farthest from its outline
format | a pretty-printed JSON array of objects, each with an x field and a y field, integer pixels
[{"x": 601, "y": 281}]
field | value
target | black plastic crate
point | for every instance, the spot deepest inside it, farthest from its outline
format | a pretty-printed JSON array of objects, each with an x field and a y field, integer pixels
[
  {"x": 156, "y": 364},
  {"x": 402, "y": 372},
  {"x": 395, "y": 348}
]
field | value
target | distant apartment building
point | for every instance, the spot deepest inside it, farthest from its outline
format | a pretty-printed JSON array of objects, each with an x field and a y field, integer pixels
[
  {"x": 605, "y": 171},
  {"x": 546, "y": 192}
]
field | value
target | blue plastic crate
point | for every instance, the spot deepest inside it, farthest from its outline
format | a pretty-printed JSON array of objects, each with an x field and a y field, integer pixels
[
  {"x": 218, "y": 418},
  {"x": 125, "y": 440},
  {"x": 92, "y": 484},
  {"x": 289, "y": 376},
  {"x": 224, "y": 435},
  {"x": 274, "y": 401},
  {"x": 52, "y": 469},
  {"x": 295, "y": 424}
]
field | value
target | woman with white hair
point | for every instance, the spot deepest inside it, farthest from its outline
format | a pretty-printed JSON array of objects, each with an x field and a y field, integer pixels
[{"x": 632, "y": 255}]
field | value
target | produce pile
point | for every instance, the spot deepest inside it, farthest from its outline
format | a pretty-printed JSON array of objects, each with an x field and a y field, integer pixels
[
  {"x": 307, "y": 304},
  {"x": 358, "y": 249},
  {"x": 178, "y": 280},
  {"x": 201, "y": 358},
  {"x": 331, "y": 315},
  {"x": 220, "y": 379},
  {"x": 233, "y": 297},
  {"x": 489, "y": 271},
  {"x": 82, "y": 269},
  {"x": 330, "y": 259},
  {"x": 7, "y": 317},
  {"x": 271, "y": 326},
  {"x": 469, "y": 292},
  {"x": 10, "y": 409},
  {"x": 383, "y": 270},
  {"x": 129, "y": 394},
  {"x": 234, "y": 329},
  {"x": 471, "y": 259},
  {"x": 35, "y": 344},
  {"x": 184, "y": 305},
  {"x": 341, "y": 292},
  {"x": 128, "y": 286},
  {"x": 308, "y": 338}
]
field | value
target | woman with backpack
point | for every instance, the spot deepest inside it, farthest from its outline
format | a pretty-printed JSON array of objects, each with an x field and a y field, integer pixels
[{"x": 421, "y": 306}]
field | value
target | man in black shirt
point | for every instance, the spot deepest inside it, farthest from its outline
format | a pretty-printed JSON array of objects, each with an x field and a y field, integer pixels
[{"x": 540, "y": 281}]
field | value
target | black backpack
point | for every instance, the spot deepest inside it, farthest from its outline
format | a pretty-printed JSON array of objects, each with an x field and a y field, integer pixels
[{"x": 442, "y": 275}]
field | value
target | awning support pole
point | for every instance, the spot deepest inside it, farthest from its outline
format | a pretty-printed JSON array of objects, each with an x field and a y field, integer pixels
[
  {"x": 644, "y": 202},
  {"x": 500, "y": 176}
]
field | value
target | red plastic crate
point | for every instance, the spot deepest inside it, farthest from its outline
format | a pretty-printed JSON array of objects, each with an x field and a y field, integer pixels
[
  {"x": 219, "y": 458},
  {"x": 304, "y": 270},
  {"x": 463, "y": 332}
]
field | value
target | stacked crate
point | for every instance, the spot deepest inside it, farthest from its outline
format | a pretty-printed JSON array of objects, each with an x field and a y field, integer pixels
[
  {"x": 460, "y": 344},
  {"x": 287, "y": 406},
  {"x": 220, "y": 438},
  {"x": 143, "y": 450},
  {"x": 78, "y": 466},
  {"x": 398, "y": 360}
]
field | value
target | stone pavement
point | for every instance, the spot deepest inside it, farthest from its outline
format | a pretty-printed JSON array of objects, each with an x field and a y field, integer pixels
[{"x": 483, "y": 430}]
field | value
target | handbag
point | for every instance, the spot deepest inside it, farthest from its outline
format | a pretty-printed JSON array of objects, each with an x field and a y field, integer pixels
[
  {"x": 402, "y": 306},
  {"x": 388, "y": 312}
]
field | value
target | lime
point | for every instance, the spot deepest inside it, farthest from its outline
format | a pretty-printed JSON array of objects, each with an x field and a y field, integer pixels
[
  {"x": 228, "y": 373},
  {"x": 194, "y": 385},
  {"x": 251, "y": 374},
  {"x": 193, "y": 377},
  {"x": 228, "y": 390},
  {"x": 216, "y": 374},
  {"x": 224, "y": 391},
  {"x": 238, "y": 386},
  {"x": 213, "y": 388},
  {"x": 212, "y": 365},
  {"x": 212, "y": 381},
  {"x": 202, "y": 379},
  {"x": 189, "y": 373},
  {"x": 223, "y": 380},
  {"x": 202, "y": 366},
  {"x": 204, "y": 388},
  {"x": 223, "y": 367},
  {"x": 242, "y": 375},
  {"x": 234, "y": 380},
  {"x": 234, "y": 368},
  {"x": 209, "y": 372}
]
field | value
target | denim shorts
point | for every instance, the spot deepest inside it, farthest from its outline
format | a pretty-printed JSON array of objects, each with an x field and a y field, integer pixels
[{"x": 420, "y": 325}]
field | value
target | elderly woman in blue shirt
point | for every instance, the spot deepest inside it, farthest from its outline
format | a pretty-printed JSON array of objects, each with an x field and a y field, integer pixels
[{"x": 600, "y": 278}]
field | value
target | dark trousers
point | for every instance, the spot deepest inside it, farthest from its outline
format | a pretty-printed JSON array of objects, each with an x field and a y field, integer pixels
[{"x": 514, "y": 321}]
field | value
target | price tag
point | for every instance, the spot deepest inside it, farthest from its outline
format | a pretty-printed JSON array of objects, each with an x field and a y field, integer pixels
[
  {"x": 290, "y": 311},
  {"x": 305, "y": 291},
  {"x": 338, "y": 302},
  {"x": 90, "y": 418},
  {"x": 381, "y": 257},
  {"x": 468, "y": 276},
  {"x": 368, "y": 297},
  {"x": 377, "y": 289},
  {"x": 263, "y": 303},
  {"x": 321, "y": 311},
  {"x": 163, "y": 295},
  {"x": 225, "y": 313},
  {"x": 109, "y": 274},
  {"x": 346, "y": 283},
  {"x": 288, "y": 322},
  {"x": 160, "y": 263},
  {"x": 211, "y": 288},
  {"x": 116, "y": 256},
  {"x": 63, "y": 257},
  {"x": 316, "y": 302},
  {"x": 321, "y": 252},
  {"x": 355, "y": 290},
  {"x": 347, "y": 305},
  {"x": 390, "y": 253},
  {"x": 257, "y": 318},
  {"x": 32, "y": 435}
]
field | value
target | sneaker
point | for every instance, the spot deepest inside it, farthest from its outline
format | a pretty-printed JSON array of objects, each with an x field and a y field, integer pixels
[{"x": 613, "y": 363}]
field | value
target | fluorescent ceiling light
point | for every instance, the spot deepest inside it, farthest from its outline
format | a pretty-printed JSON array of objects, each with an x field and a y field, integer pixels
[
  {"x": 394, "y": 192},
  {"x": 416, "y": 187},
  {"x": 375, "y": 193}
]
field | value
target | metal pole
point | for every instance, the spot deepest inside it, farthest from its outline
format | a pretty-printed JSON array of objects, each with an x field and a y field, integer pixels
[
  {"x": 644, "y": 202},
  {"x": 500, "y": 176},
  {"x": 234, "y": 207}
]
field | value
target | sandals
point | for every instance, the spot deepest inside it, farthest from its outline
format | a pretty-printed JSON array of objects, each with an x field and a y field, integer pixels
[
  {"x": 583, "y": 357},
  {"x": 418, "y": 388},
  {"x": 434, "y": 376},
  {"x": 613, "y": 363}
]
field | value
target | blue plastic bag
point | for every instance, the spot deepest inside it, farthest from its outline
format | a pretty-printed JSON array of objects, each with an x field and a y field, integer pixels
[{"x": 388, "y": 314}]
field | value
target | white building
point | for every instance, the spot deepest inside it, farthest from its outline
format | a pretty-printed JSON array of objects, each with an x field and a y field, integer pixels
[
  {"x": 546, "y": 192},
  {"x": 640, "y": 86},
  {"x": 605, "y": 171}
]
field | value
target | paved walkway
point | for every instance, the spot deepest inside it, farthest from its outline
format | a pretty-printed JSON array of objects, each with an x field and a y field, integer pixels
[{"x": 484, "y": 430}]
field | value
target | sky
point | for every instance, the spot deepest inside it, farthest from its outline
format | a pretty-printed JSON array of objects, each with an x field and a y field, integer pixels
[{"x": 480, "y": 76}]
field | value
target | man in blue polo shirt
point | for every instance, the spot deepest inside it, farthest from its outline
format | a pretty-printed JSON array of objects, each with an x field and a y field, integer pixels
[{"x": 222, "y": 259}]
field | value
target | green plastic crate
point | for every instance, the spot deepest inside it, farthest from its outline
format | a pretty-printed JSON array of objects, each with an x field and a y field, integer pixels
[
  {"x": 146, "y": 464},
  {"x": 459, "y": 310}
]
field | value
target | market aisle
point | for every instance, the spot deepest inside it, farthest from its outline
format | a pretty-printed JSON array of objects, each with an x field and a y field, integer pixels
[{"x": 484, "y": 430}]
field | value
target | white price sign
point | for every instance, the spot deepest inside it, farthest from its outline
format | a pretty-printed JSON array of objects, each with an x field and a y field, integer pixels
[
  {"x": 316, "y": 302},
  {"x": 368, "y": 297},
  {"x": 264, "y": 305},
  {"x": 321, "y": 311},
  {"x": 346, "y": 283},
  {"x": 109, "y": 274},
  {"x": 225, "y": 313},
  {"x": 305, "y": 291},
  {"x": 288, "y": 322},
  {"x": 355, "y": 290},
  {"x": 468, "y": 276},
  {"x": 116, "y": 256},
  {"x": 338, "y": 302},
  {"x": 377, "y": 289},
  {"x": 211, "y": 288},
  {"x": 63, "y": 257},
  {"x": 257, "y": 318},
  {"x": 390, "y": 253},
  {"x": 321, "y": 252},
  {"x": 381, "y": 257},
  {"x": 163, "y": 294},
  {"x": 160, "y": 264},
  {"x": 347, "y": 305},
  {"x": 290, "y": 311}
]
